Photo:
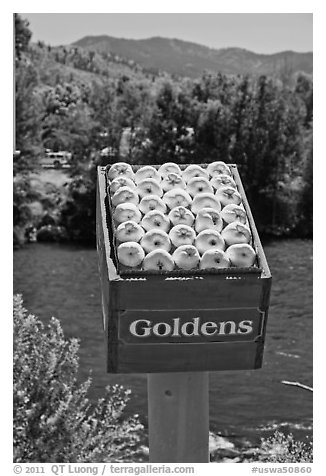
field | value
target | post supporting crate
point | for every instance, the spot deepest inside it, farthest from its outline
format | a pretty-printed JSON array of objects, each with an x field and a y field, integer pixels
[{"x": 178, "y": 417}]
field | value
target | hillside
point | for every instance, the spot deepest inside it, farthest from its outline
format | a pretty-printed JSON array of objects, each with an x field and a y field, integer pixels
[
  {"x": 74, "y": 64},
  {"x": 184, "y": 58}
]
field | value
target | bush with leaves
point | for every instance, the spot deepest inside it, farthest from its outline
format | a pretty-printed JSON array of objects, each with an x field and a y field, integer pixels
[
  {"x": 78, "y": 215},
  {"x": 281, "y": 448},
  {"x": 54, "y": 420}
]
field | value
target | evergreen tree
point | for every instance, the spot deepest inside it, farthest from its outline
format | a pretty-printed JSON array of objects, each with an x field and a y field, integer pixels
[
  {"x": 27, "y": 118},
  {"x": 22, "y": 36}
]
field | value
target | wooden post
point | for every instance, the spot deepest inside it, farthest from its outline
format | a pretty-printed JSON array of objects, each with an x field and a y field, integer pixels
[{"x": 178, "y": 417}]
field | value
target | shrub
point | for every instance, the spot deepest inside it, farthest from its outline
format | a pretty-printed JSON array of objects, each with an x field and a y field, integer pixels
[
  {"x": 53, "y": 419},
  {"x": 78, "y": 212},
  {"x": 18, "y": 237},
  {"x": 280, "y": 448},
  {"x": 51, "y": 233}
]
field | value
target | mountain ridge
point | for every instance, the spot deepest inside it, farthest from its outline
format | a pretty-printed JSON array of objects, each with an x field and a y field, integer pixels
[{"x": 184, "y": 58}]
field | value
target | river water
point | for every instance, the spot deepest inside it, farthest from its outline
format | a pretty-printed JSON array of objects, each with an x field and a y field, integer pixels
[{"x": 63, "y": 281}]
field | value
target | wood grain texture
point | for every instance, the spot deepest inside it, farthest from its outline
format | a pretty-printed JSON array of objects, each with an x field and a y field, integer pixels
[
  {"x": 152, "y": 358},
  {"x": 101, "y": 251},
  {"x": 262, "y": 261},
  {"x": 178, "y": 417},
  {"x": 207, "y": 292}
]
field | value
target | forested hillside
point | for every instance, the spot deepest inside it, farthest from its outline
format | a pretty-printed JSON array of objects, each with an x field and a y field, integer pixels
[
  {"x": 183, "y": 58},
  {"x": 75, "y": 99}
]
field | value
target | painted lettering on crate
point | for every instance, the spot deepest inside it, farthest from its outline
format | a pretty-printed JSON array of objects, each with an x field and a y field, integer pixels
[{"x": 221, "y": 325}]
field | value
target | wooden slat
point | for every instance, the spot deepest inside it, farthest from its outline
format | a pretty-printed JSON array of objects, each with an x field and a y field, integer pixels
[
  {"x": 102, "y": 229},
  {"x": 151, "y": 358},
  {"x": 102, "y": 255},
  {"x": 256, "y": 240},
  {"x": 209, "y": 292}
]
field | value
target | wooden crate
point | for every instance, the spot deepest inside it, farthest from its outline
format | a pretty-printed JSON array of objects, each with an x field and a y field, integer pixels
[{"x": 226, "y": 310}]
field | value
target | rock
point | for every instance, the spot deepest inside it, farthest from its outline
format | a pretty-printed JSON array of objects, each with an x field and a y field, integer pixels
[
  {"x": 218, "y": 442},
  {"x": 220, "y": 448},
  {"x": 251, "y": 452},
  {"x": 231, "y": 460},
  {"x": 144, "y": 450}
]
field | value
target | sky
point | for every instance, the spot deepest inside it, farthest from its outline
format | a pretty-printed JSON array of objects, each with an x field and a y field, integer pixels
[{"x": 258, "y": 32}]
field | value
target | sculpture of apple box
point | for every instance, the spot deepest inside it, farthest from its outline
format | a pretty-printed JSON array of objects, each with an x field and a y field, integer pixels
[{"x": 179, "y": 320}]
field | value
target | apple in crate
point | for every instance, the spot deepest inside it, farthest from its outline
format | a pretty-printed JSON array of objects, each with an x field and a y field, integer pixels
[
  {"x": 119, "y": 169},
  {"x": 233, "y": 212},
  {"x": 208, "y": 218},
  {"x": 236, "y": 232},
  {"x": 176, "y": 197},
  {"x": 186, "y": 257},
  {"x": 151, "y": 202},
  {"x": 155, "y": 239},
  {"x": 241, "y": 255},
  {"x": 121, "y": 182},
  {"x": 199, "y": 185},
  {"x": 182, "y": 235},
  {"x": 168, "y": 168},
  {"x": 149, "y": 186},
  {"x": 129, "y": 231},
  {"x": 171, "y": 181},
  {"x": 155, "y": 219},
  {"x": 214, "y": 259},
  {"x": 123, "y": 195},
  {"x": 158, "y": 260},
  {"x": 194, "y": 170},
  {"x": 130, "y": 254},
  {"x": 181, "y": 216},
  {"x": 223, "y": 180},
  {"x": 205, "y": 200},
  {"x": 209, "y": 239},
  {"x": 147, "y": 172},
  {"x": 227, "y": 195},
  {"x": 217, "y": 168},
  {"x": 126, "y": 211}
]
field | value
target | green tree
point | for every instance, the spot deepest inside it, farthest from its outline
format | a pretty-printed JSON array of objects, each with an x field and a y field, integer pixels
[
  {"x": 305, "y": 201},
  {"x": 27, "y": 131},
  {"x": 214, "y": 131},
  {"x": 102, "y": 98},
  {"x": 22, "y": 36},
  {"x": 78, "y": 214},
  {"x": 168, "y": 124},
  {"x": 67, "y": 123},
  {"x": 304, "y": 89},
  {"x": 27, "y": 106},
  {"x": 28, "y": 111}
]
